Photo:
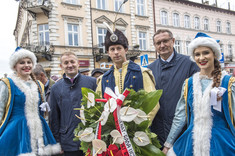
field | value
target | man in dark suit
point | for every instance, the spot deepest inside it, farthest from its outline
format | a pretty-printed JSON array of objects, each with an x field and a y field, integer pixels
[
  {"x": 170, "y": 70},
  {"x": 65, "y": 96}
]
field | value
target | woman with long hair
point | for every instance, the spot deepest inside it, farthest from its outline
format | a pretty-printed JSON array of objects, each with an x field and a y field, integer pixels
[
  {"x": 23, "y": 131},
  {"x": 206, "y": 106}
]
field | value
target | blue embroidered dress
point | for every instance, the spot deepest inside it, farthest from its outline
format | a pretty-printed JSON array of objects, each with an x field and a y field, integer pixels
[
  {"x": 24, "y": 131},
  {"x": 209, "y": 132}
]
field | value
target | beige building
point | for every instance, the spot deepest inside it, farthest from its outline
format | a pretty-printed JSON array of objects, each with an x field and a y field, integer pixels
[
  {"x": 185, "y": 18},
  {"x": 51, "y": 27}
]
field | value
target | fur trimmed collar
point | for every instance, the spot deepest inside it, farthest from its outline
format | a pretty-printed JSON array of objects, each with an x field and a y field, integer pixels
[
  {"x": 31, "y": 93},
  {"x": 202, "y": 118}
]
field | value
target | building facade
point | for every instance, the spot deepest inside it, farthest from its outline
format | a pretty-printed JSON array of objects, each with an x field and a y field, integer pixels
[
  {"x": 51, "y": 27},
  {"x": 185, "y": 18}
]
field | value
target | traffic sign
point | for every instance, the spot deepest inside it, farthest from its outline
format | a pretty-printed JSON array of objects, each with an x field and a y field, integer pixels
[{"x": 144, "y": 61}]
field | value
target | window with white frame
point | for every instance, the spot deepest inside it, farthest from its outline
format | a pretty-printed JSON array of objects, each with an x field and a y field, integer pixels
[
  {"x": 176, "y": 20},
  {"x": 206, "y": 24},
  {"x": 218, "y": 26},
  {"x": 118, "y": 4},
  {"x": 228, "y": 27},
  {"x": 197, "y": 23},
  {"x": 43, "y": 31},
  {"x": 73, "y": 34},
  {"x": 186, "y": 45},
  {"x": 72, "y": 1},
  {"x": 178, "y": 46},
  {"x": 101, "y": 38},
  {"x": 164, "y": 18},
  {"x": 140, "y": 7},
  {"x": 186, "y": 21},
  {"x": 142, "y": 40},
  {"x": 101, "y": 4},
  {"x": 230, "y": 50}
]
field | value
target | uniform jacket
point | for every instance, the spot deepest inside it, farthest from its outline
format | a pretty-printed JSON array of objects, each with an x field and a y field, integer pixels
[
  {"x": 64, "y": 97},
  {"x": 170, "y": 77},
  {"x": 131, "y": 76}
]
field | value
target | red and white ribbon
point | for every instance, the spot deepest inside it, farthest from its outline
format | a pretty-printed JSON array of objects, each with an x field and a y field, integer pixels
[{"x": 126, "y": 147}]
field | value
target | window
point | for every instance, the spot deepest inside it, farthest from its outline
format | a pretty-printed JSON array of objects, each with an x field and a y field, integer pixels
[
  {"x": 230, "y": 50},
  {"x": 142, "y": 40},
  {"x": 43, "y": 31},
  {"x": 71, "y": 1},
  {"x": 140, "y": 7},
  {"x": 196, "y": 23},
  {"x": 228, "y": 27},
  {"x": 186, "y": 21},
  {"x": 101, "y": 38},
  {"x": 164, "y": 19},
  {"x": 206, "y": 24},
  {"x": 186, "y": 45},
  {"x": 218, "y": 26},
  {"x": 101, "y": 4},
  {"x": 178, "y": 46},
  {"x": 118, "y": 4},
  {"x": 176, "y": 20},
  {"x": 73, "y": 34}
]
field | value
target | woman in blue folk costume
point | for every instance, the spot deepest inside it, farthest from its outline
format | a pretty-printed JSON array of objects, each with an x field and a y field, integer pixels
[
  {"x": 23, "y": 131},
  {"x": 207, "y": 106}
]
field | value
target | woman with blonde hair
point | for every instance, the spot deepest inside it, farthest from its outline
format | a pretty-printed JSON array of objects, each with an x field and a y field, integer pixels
[
  {"x": 23, "y": 131},
  {"x": 206, "y": 105}
]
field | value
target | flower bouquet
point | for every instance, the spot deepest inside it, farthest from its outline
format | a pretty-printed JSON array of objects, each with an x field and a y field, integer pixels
[{"x": 117, "y": 125}]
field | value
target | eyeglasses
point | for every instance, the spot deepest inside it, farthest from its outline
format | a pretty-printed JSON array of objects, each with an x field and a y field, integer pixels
[{"x": 163, "y": 41}]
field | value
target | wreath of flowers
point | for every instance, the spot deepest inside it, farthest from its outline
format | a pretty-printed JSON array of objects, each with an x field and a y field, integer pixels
[{"x": 96, "y": 113}]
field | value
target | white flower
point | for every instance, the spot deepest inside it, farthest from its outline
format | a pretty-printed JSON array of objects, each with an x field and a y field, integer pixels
[
  {"x": 141, "y": 139},
  {"x": 140, "y": 117},
  {"x": 82, "y": 115},
  {"x": 117, "y": 137},
  {"x": 128, "y": 114},
  {"x": 90, "y": 100},
  {"x": 104, "y": 117},
  {"x": 110, "y": 105},
  {"x": 87, "y": 135},
  {"x": 99, "y": 146}
]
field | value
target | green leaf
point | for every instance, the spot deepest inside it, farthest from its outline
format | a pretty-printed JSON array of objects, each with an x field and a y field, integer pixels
[
  {"x": 151, "y": 150},
  {"x": 151, "y": 100},
  {"x": 143, "y": 125}
]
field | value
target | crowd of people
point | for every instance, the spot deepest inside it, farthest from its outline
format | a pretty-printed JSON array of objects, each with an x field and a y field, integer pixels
[{"x": 197, "y": 107}]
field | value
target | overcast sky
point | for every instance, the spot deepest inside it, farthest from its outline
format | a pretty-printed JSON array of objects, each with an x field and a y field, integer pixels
[
  {"x": 9, "y": 9},
  {"x": 8, "y": 15}
]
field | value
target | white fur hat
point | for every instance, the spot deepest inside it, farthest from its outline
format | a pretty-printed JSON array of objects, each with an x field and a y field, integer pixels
[
  {"x": 203, "y": 40},
  {"x": 20, "y": 54}
]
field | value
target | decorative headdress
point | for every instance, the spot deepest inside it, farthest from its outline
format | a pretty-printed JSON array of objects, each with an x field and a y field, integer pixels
[
  {"x": 115, "y": 36},
  {"x": 19, "y": 54},
  {"x": 204, "y": 40}
]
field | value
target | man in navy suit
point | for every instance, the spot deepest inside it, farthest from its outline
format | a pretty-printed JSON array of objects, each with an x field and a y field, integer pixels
[{"x": 65, "y": 96}]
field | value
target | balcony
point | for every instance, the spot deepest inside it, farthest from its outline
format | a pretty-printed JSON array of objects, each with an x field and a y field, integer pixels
[
  {"x": 35, "y": 7},
  {"x": 44, "y": 50}
]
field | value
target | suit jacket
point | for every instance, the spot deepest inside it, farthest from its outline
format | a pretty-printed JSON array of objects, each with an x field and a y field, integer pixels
[
  {"x": 170, "y": 77},
  {"x": 64, "y": 97}
]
